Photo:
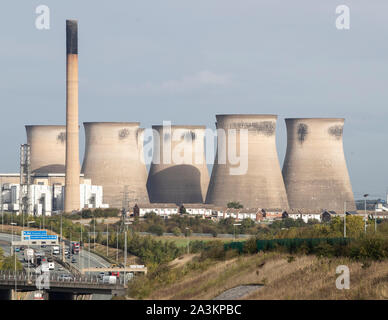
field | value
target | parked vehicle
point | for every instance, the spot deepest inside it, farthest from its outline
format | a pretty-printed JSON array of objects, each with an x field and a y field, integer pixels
[
  {"x": 17, "y": 249},
  {"x": 73, "y": 260},
  {"x": 101, "y": 275},
  {"x": 51, "y": 266}
]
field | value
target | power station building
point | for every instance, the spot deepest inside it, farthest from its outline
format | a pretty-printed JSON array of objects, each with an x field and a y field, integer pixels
[
  {"x": 48, "y": 148},
  {"x": 258, "y": 183},
  {"x": 113, "y": 160},
  {"x": 46, "y": 199},
  {"x": 178, "y": 172},
  {"x": 314, "y": 170}
]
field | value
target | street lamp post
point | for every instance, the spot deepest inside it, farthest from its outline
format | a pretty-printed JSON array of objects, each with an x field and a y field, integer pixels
[
  {"x": 94, "y": 234},
  {"x": 61, "y": 227},
  {"x": 87, "y": 225},
  {"x": 80, "y": 250},
  {"x": 13, "y": 252},
  {"x": 365, "y": 196},
  {"x": 107, "y": 240},
  {"x": 117, "y": 245},
  {"x": 375, "y": 221}
]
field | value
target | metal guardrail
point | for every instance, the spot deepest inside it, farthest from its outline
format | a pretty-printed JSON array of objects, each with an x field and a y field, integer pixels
[
  {"x": 56, "y": 280},
  {"x": 67, "y": 265}
]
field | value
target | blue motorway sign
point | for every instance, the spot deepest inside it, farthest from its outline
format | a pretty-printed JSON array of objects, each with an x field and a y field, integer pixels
[
  {"x": 34, "y": 233},
  {"x": 38, "y": 235}
]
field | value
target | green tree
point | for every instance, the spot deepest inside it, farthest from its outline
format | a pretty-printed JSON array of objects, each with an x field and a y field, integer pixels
[
  {"x": 176, "y": 231},
  {"x": 156, "y": 229},
  {"x": 235, "y": 205},
  {"x": 8, "y": 264}
]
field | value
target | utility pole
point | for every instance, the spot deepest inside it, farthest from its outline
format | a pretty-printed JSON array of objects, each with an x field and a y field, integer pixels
[
  {"x": 1, "y": 204},
  {"x": 345, "y": 219},
  {"x": 107, "y": 240},
  {"x": 375, "y": 221},
  {"x": 125, "y": 257}
]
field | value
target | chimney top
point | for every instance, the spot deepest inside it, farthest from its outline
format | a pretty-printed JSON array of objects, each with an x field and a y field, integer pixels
[{"x": 71, "y": 36}]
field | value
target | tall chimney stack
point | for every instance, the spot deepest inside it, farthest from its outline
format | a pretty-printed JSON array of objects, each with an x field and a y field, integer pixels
[{"x": 72, "y": 188}]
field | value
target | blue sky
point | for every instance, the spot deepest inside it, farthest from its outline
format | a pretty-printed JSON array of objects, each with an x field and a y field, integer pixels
[{"x": 186, "y": 61}]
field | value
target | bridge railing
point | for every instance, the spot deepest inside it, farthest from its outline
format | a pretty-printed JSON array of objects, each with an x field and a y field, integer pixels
[{"x": 55, "y": 277}]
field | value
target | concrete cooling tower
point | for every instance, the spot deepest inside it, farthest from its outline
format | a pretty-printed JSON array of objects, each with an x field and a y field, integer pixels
[
  {"x": 112, "y": 159},
  {"x": 261, "y": 184},
  {"x": 48, "y": 148},
  {"x": 314, "y": 170},
  {"x": 178, "y": 172}
]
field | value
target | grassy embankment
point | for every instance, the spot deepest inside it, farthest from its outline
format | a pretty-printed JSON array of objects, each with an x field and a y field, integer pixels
[{"x": 299, "y": 277}]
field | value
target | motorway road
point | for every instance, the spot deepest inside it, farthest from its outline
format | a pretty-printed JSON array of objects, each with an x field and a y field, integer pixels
[{"x": 84, "y": 259}]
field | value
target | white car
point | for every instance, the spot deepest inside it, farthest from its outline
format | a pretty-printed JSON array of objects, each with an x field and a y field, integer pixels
[{"x": 51, "y": 266}]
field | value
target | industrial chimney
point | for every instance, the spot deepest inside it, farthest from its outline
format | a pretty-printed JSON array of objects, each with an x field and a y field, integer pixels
[
  {"x": 182, "y": 180},
  {"x": 113, "y": 160},
  {"x": 72, "y": 188},
  {"x": 48, "y": 148},
  {"x": 314, "y": 169},
  {"x": 261, "y": 185}
]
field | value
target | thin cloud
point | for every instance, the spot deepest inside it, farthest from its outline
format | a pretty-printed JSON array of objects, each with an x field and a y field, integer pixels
[{"x": 198, "y": 81}]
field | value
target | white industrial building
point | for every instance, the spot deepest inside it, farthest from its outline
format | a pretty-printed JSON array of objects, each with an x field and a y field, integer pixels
[{"x": 47, "y": 199}]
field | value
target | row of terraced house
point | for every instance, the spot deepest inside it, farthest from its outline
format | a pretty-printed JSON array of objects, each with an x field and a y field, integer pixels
[{"x": 166, "y": 210}]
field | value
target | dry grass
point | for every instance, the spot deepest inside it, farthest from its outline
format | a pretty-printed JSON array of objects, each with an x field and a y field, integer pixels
[
  {"x": 112, "y": 254},
  {"x": 307, "y": 277},
  {"x": 315, "y": 279}
]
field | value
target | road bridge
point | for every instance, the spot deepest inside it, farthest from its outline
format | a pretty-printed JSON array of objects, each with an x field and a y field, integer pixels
[
  {"x": 115, "y": 269},
  {"x": 82, "y": 285}
]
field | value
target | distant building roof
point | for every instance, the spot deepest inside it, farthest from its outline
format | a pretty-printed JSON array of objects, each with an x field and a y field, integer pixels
[{"x": 156, "y": 205}]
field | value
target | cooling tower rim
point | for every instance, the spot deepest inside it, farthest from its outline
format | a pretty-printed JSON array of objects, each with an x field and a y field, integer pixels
[
  {"x": 223, "y": 117},
  {"x": 112, "y": 123},
  {"x": 315, "y": 119},
  {"x": 177, "y": 126},
  {"x": 244, "y": 115},
  {"x": 45, "y": 126}
]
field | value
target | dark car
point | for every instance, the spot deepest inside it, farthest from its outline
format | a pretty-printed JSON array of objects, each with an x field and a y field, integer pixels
[{"x": 73, "y": 260}]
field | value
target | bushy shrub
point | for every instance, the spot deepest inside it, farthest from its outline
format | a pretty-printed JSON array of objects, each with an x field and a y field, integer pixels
[{"x": 156, "y": 229}]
